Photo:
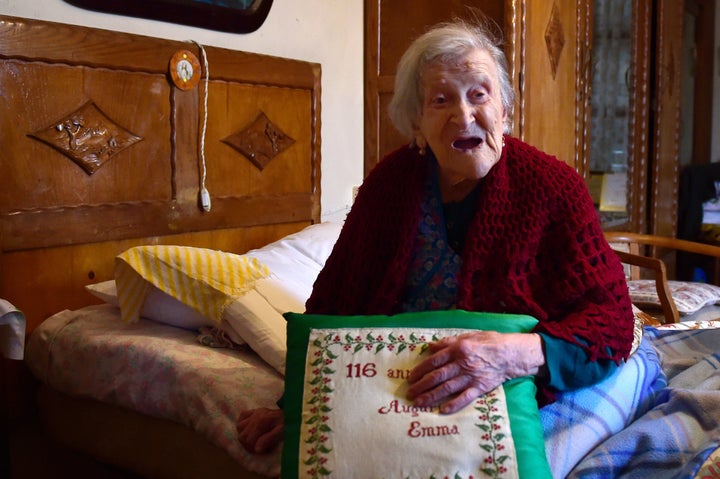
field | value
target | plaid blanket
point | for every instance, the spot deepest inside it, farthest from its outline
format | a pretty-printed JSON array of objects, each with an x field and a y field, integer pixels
[{"x": 658, "y": 416}]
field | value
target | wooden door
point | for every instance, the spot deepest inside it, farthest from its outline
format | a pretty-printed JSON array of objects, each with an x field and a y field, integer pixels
[
  {"x": 664, "y": 145},
  {"x": 552, "y": 66},
  {"x": 550, "y": 63},
  {"x": 698, "y": 96}
]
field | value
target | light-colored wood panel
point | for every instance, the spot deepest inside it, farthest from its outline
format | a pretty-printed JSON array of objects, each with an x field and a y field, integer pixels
[
  {"x": 551, "y": 113},
  {"x": 60, "y": 227},
  {"x": 401, "y": 21},
  {"x": 39, "y": 96},
  {"x": 236, "y": 106},
  {"x": 51, "y": 227},
  {"x": 390, "y": 139}
]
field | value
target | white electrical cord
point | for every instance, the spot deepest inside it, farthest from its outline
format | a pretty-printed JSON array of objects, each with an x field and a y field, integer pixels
[{"x": 204, "y": 193}]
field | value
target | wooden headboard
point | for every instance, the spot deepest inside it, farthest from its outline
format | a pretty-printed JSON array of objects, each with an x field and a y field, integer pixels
[{"x": 102, "y": 151}]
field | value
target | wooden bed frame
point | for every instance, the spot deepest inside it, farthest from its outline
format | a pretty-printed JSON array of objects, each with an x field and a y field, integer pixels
[{"x": 101, "y": 151}]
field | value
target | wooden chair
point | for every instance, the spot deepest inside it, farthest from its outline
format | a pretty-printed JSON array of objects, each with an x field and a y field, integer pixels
[{"x": 643, "y": 253}]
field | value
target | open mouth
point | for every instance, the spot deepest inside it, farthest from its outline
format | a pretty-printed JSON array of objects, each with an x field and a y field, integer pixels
[{"x": 467, "y": 143}]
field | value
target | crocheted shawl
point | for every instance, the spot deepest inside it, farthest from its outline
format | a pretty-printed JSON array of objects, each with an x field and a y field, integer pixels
[{"x": 535, "y": 246}]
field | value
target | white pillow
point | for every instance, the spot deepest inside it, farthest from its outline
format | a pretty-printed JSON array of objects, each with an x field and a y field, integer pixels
[
  {"x": 283, "y": 296},
  {"x": 295, "y": 261},
  {"x": 689, "y": 297},
  {"x": 158, "y": 306},
  {"x": 163, "y": 308},
  {"x": 225, "y": 281},
  {"x": 258, "y": 323},
  {"x": 254, "y": 315}
]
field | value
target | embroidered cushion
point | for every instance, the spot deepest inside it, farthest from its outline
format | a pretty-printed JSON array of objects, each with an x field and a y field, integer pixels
[
  {"x": 346, "y": 411},
  {"x": 689, "y": 297}
]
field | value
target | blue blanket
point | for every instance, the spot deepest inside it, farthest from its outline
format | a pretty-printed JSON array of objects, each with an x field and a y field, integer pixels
[{"x": 658, "y": 416}]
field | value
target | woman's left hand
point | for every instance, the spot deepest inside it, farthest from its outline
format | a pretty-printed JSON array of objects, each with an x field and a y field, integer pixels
[{"x": 464, "y": 367}]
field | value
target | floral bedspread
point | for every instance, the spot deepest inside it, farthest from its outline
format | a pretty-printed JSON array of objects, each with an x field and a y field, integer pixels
[
  {"x": 657, "y": 417},
  {"x": 158, "y": 370}
]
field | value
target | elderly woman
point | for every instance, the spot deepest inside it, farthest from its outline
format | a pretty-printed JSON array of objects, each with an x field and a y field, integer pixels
[{"x": 467, "y": 217}]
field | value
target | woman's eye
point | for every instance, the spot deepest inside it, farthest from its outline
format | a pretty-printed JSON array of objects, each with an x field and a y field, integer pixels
[
  {"x": 437, "y": 100},
  {"x": 478, "y": 95}
]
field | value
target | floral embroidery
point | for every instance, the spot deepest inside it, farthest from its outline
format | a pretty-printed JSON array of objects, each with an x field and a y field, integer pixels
[
  {"x": 492, "y": 439},
  {"x": 326, "y": 349},
  {"x": 321, "y": 385},
  {"x": 317, "y": 422}
]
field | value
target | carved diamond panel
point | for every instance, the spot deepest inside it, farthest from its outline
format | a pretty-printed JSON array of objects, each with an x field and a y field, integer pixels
[
  {"x": 554, "y": 38},
  {"x": 260, "y": 141},
  {"x": 87, "y": 137}
]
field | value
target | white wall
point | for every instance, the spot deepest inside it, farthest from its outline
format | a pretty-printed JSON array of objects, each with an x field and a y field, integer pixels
[{"x": 329, "y": 32}]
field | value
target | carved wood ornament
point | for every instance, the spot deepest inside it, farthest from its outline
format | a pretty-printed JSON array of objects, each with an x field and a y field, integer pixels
[
  {"x": 260, "y": 141},
  {"x": 554, "y": 38},
  {"x": 87, "y": 137}
]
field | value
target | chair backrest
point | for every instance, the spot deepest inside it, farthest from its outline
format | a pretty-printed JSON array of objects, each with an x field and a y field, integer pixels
[{"x": 636, "y": 250}]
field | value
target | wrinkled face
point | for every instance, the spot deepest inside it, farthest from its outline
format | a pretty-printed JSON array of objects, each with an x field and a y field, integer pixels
[{"x": 462, "y": 116}]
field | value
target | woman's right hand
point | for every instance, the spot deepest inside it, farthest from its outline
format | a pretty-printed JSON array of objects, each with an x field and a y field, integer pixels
[
  {"x": 464, "y": 367},
  {"x": 260, "y": 430}
]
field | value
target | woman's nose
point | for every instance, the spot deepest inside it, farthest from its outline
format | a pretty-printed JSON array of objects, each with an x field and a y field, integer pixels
[{"x": 464, "y": 114}]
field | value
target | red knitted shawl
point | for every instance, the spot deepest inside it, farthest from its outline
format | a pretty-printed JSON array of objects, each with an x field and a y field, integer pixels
[{"x": 535, "y": 246}]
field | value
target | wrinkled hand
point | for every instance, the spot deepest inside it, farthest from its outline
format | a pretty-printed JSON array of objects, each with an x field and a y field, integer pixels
[
  {"x": 260, "y": 430},
  {"x": 464, "y": 367}
]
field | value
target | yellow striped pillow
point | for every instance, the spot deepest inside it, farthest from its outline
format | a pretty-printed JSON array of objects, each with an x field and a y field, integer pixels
[{"x": 206, "y": 280}]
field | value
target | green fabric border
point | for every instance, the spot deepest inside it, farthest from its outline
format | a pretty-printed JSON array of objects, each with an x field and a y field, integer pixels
[{"x": 524, "y": 422}]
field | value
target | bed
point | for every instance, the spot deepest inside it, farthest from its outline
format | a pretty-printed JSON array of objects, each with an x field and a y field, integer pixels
[
  {"x": 122, "y": 380},
  {"x": 107, "y": 145}
]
